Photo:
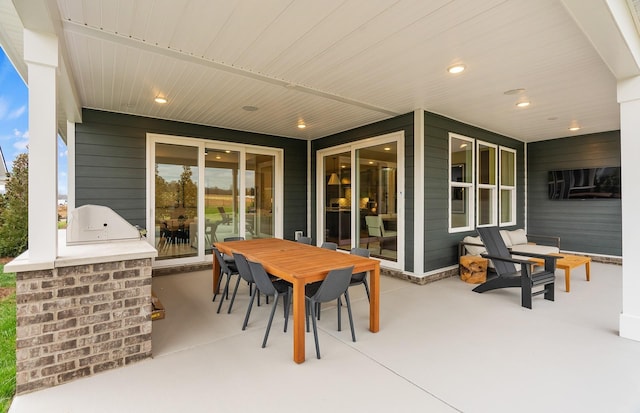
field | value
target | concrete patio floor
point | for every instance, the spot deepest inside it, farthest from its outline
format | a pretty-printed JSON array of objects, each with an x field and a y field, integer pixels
[{"x": 441, "y": 348}]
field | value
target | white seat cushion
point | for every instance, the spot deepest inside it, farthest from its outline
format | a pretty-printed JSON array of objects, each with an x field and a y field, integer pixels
[
  {"x": 535, "y": 249},
  {"x": 518, "y": 236},
  {"x": 472, "y": 249}
]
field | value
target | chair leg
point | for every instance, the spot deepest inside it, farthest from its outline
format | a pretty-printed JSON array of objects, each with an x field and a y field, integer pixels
[
  {"x": 225, "y": 292},
  {"x": 526, "y": 293},
  {"x": 218, "y": 286},
  {"x": 233, "y": 297},
  {"x": 273, "y": 310},
  {"x": 246, "y": 317},
  {"x": 285, "y": 299},
  {"x": 339, "y": 314},
  {"x": 549, "y": 293},
  {"x": 315, "y": 328},
  {"x": 307, "y": 312},
  {"x": 346, "y": 298},
  {"x": 366, "y": 287}
]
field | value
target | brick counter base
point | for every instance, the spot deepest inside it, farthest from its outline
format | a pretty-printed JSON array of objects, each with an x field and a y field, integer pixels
[{"x": 77, "y": 321}]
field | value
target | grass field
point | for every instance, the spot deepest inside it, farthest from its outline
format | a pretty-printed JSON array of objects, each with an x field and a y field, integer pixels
[{"x": 7, "y": 338}]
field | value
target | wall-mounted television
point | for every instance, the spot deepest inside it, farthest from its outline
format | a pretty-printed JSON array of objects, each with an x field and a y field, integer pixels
[{"x": 585, "y": 183}]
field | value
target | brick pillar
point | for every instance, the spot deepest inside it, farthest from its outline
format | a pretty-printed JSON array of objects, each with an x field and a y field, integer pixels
[{"x": 80, "y": 320}]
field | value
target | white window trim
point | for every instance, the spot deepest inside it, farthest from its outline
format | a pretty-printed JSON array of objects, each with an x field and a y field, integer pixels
[
  {"x": 469, "y": 186},
  {"x": 494, "y": 187},
  {"x": 511, "y": 188}
]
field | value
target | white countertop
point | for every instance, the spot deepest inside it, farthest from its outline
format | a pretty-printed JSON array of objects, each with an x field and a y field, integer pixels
[{"x": 70, "y": 255}]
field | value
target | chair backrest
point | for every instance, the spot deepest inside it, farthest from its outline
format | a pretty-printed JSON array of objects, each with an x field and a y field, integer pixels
[
  {"x": 334, "y": 285},
  {"x": 223, "y": 264},
  {"x": 305, "y": 240},
  {"x": 243, "y": 267},
  {"x": 494, "y": 243},
  {"x": 233, "y": 239},
  {"x": 361, "y": 252},
  {"x": 374, "y": 225},
  {"x": 329, "y": 246},
  {"x": 261, "y": 278}
]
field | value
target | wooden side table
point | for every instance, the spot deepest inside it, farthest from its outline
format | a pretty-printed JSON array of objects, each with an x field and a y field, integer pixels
[
  {"x": 567, "y": 263},
  {"x": 473, "y": 269}
]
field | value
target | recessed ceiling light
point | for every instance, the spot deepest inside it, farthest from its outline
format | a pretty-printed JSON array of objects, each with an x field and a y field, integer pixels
[
  {"x": 301, "y": 126},
  {"x": 459, "y": 68},
  {"x": 218, "y": 157},
  {"x": 387, "y": 148},
  {"x": 515, "y": 91},
  {"x": 574, "y": 128},
  {"x": 160, "y": 99},
  {"x": 250, "y": 108},
  {"x": 227, "y": 151},
  {"x": 463, "y": 145},
  {"x": 370, "y": 162},
  {"x": 523, "y": 104}
]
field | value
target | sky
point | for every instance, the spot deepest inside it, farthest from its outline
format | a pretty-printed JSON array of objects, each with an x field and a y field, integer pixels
[{"x": 14, "y": 121}]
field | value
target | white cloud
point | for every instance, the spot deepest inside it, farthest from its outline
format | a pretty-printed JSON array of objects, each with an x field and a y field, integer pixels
[
  {"x": 16, "y": 113},
  {"x": 21, "y": 145}
]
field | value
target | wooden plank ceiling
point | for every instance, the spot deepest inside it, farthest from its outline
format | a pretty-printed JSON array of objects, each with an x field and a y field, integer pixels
[{"x": 339, "y": 64}]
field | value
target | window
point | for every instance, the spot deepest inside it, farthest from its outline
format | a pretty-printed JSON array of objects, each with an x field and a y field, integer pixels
[
  {"x": 461, "y": 183},
  {"x": 482, "y": 184},
  {"x": 507, "y": 186},
  {"x": 487, "y": 203}
]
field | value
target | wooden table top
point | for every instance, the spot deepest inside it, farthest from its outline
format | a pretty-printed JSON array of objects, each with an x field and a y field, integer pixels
[{"x": 294, "y": 260}]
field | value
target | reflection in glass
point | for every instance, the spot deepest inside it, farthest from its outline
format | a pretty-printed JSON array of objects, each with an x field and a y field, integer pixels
[
  {"x": 220, "y": 195},
  {"x": 259, "y": 183},
  {"x": 377, "y": 213},
  {"x": 176, "y": 200},
  {"x": 337, "y": 175}
]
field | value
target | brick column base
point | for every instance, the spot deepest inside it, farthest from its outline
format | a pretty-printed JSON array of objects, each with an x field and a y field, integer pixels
[{"x": 80, "y": 320}]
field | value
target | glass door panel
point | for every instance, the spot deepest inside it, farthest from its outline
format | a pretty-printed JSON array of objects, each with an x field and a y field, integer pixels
[
  {"x": 377, "y": 201},
  {"x": 259, "y": 184},
  {"x": 176, "y": 200},
  {"x": 337, "y": 179},
  {"x": 221, "y": 209}
]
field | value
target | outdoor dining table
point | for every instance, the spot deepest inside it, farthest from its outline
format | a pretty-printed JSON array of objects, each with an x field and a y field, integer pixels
[{"x": 301, "y": 264}]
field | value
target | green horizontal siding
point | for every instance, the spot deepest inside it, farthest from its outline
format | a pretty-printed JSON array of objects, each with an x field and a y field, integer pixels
[
  {"x": 111, "y": 163},
  {"x": 441, "y": 247},
  {"x": 589, "y": 225}
]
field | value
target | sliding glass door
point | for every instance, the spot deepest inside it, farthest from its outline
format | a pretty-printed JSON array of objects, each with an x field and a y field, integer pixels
[
  {"x": 240, "y": 195},
  {"x": 360, "y": 196}
]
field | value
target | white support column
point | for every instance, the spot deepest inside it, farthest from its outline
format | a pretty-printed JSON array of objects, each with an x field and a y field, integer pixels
[
  {"x": 418, "y": 188},
  {"x": 629, "y": 99},
  {"x": 41, "y": 56},
  {"x": 71, "y": 165}
]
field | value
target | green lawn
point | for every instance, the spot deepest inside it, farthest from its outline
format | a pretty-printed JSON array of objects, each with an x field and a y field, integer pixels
[{"x": 7, "y": 341}]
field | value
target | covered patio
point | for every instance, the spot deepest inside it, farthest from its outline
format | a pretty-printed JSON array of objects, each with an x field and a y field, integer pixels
[{"x": 472, "y": 353}]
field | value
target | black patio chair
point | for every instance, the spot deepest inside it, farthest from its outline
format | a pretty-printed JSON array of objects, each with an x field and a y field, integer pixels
[
  {"x": 507, "y": 273},
  {"x": 361, "y": 277},
  {"x": 227, "y": 270},
  {"x": 329, "y": 246},
  {"x": 335, "y": 285},
  {"x": 269, "y": 287},
  {"x": 305, "y": 240}
]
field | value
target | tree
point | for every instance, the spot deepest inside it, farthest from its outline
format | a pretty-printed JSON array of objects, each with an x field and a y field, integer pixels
[{"x": 14, "y": 210}]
